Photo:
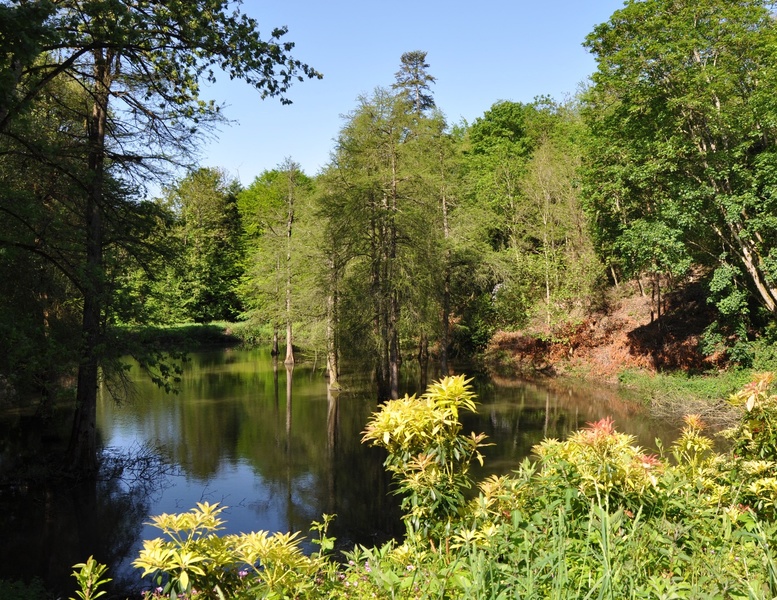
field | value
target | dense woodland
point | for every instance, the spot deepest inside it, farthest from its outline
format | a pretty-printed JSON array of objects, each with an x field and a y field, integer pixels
[{"x": 418, "y": 241}]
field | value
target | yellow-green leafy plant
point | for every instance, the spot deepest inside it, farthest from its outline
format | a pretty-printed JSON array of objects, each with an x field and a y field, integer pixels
[
  {"x": 427, "y": 454},
  {"x": 600, "y": 464},
  {"x": 752, "y": 474},
  {"x": 193, "y": 557},
  {"x": 754, "y": 437},
  {"x": 195, "y": 561},
  {"x": 90, "y": 577},
  {"x": 693, "y": 451}
]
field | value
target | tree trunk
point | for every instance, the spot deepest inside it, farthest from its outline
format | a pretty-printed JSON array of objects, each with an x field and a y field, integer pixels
[
  {"x": 749, "y": 257},
  {"x": 394, "y": 358},
  {"x": 291, "y": 173},
  {"x": 445, "y": 336},
  {"x": 378, "y": 283},
  {"x": 383, "y": 368},
  {"x": 332, "y": 366},
  {"x": 393, "y": 308},
  {"x": 446, "y": 288},
  {"x": 82, "y": 452},
  {"x": 48, "y": 376},
  {"x": 289, "y": 346},
  {"x": 423, "y": 361},
  {"x": 614, "y": 276}
]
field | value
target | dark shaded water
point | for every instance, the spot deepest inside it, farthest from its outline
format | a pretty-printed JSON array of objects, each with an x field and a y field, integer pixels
[{"x": 278, "y": 450}]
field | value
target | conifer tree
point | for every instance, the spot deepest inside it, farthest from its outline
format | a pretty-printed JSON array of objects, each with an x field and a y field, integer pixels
[{"x": 413, "y": 81}]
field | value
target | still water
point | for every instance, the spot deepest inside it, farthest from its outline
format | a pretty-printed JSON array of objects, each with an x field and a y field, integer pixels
[{"x": 274, "y": 447}]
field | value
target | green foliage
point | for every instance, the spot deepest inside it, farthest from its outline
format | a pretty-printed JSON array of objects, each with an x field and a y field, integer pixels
[
  {"x": 652, "y": 247},
  {"x": 281, "y": 259},
  {"x": 755, "y": 436},
  {"x": 680, "y": 164},
  {"x": 383, "y": 209},
  {"x": 520, "y": 174},
  {"x": 96, "y": 98},
  {"x": 198, "y": 281},
  {"x": 602, "y": 465},
  {"x": 427, "y": 454},
  {"x": 194, "y": 560},
  {"x": 413, "y": 81},
  {"x": 765, "y": 350},
  {"x": 18, "y": 590}
]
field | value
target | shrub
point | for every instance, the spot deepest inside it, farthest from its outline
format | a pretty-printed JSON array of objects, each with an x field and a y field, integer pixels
[
  {"x": 601, "y": 464},
  {"x": 19, "y": 590},
  {"x": 427, "y": 455},
  {"x": 195, "y": 561},
  {"x": 755, "y": 435}
]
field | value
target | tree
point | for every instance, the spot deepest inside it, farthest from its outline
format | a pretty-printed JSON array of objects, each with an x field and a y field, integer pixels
[
  {"x": 498, "y": 149},
  {"x": 208, "y": 270},
  {"x": 270, "y": 207},
  {"x": 412, "y": 81},
  {"x": 558, "y": 250},
  {"x": 140, "y": 66},
  {"x": 684, "y": 122},
  {"x": 41, "y": 207},
  {"x": 377, "y": 214},
  {"x": 536, "y": 265}
]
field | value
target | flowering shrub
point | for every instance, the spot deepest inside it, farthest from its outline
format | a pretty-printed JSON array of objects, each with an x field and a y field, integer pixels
[
  {"x": 602, "y": 465},
  {"x": 755, "y": 436}
]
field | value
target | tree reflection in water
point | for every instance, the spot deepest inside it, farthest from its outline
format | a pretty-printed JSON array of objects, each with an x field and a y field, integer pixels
[{"x": 51, "y": 525}]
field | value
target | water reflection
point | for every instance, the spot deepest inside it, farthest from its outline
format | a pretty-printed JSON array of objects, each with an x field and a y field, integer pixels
[
  {"x": 518, "y": 415},
  {"x": 278, "y": 461},
  {"x": 48, "y": 527}
]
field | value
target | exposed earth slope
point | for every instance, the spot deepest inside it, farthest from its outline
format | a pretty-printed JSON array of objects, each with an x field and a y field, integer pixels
[{"x": 627, "y": 334}]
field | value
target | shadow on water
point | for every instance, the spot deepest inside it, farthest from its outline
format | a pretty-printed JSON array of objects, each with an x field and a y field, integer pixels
[
  {"x": 270, "y": 442},
  {"x": 51, "y": 524}
]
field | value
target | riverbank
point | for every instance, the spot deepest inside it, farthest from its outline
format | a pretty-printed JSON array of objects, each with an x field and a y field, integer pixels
[
  {"x": 628, "y": 343},
  {"x": 184, "y": 336},
  {"x": 631, "y": 344},
  {"x": 593, "y": 516}
]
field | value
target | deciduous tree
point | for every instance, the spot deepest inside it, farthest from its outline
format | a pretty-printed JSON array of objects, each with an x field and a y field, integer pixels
[
  {"x": 276, "y": 268},
  {"x": 683, "y": 115},
  {"x": 140, "y": 65},
  {"x": 208, "y": 269}
]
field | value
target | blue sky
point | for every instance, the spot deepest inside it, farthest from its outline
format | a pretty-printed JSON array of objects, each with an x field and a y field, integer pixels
[{"x": 480, "y": 52}]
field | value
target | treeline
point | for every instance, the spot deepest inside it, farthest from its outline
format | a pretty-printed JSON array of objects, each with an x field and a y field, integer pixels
[{"x": 419, "y": 239}]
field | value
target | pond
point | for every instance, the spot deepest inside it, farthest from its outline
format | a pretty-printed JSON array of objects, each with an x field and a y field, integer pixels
[{"x": 274, "y": 447}]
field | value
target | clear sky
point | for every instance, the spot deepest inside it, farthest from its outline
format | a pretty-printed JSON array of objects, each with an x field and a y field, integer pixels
[{"x": 480, "y": 52}]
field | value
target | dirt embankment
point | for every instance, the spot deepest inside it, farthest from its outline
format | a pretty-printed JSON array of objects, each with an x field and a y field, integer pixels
[{"x": 628, "y": 333}]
